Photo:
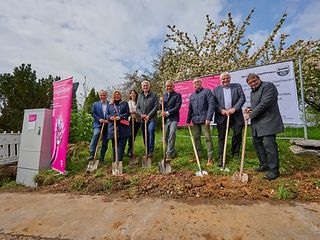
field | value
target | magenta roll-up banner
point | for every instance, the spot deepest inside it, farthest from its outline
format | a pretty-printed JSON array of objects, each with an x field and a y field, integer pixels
[
  {"x": 186, "y": 89},
  {"x": 62, "y": 101}
]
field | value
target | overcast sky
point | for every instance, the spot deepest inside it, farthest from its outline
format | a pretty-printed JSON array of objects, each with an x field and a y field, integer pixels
[{"x": 103, "y": 39}]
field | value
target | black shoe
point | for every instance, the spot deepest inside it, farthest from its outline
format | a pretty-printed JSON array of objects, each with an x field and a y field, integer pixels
[
  {"x": 90, "y": 158},
  {"x": 271, "y": 176},
  {"x": 262, "y": 169}
]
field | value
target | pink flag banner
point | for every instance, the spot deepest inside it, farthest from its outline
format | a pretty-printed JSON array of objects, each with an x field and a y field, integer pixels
[
  {"x": 62, "y": 101},
  {"x": 186, "y": 89}
]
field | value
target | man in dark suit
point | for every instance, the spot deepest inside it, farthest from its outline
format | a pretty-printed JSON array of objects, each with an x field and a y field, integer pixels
[
  {"x": 229, "y": 99},
  {"x": 266, "y": 122},
  {"x": 99, "y": 110},
  {"x": 172, "y": 104}
]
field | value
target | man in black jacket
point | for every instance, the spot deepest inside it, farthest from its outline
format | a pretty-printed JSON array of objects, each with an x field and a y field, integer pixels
[
  {"x": 172, "y": 104},
  {"x": 201, "y": 108},
  {"x": 229, "y": 99}
]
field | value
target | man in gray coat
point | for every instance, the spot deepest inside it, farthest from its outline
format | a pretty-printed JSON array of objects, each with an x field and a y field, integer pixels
[
  {"x": 266, "y": 122},
  {"x": 229, "y": 99},
  {"x": 147, "y": 107},
  {"x": 201, "y": 108}
]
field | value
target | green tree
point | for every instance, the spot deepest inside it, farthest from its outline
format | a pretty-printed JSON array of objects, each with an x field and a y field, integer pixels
[
  {"x": 19, "y": 91},
  {"x": 224, "y": 47},
  {"x": 92, "y": 97}
]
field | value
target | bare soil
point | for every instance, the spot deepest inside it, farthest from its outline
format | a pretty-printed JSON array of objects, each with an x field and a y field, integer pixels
[{"x": 67, "y": 216}]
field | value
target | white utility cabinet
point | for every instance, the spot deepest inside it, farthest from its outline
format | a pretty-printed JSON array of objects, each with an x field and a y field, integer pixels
[{"x": 35, "y": 145}]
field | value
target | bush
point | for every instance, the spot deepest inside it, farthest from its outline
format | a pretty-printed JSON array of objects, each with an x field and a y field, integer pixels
[{"x": 80, "y": 127}]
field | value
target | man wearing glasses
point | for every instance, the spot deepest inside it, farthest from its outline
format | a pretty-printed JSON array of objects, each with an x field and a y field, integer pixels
[{"x": 266, "y": 122}]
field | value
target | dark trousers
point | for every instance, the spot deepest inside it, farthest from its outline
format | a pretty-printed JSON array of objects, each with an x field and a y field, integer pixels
[
  {"x": 136, "y": 129},
  {"x": 267, "y": 150},
  {"x": 236, "y": 136},
  {"x": 121, "y": 146}
]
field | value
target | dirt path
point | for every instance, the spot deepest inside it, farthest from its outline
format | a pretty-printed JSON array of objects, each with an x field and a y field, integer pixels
[{"x": 66, "y": 216}]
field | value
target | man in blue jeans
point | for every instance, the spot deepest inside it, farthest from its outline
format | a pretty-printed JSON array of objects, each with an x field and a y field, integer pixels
[
  {"x": 147, "y": 107},
  {"x": 98, "y": 113}
]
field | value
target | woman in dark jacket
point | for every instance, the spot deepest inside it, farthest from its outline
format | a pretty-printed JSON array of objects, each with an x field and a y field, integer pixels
[{"x": 118, "y": 110}]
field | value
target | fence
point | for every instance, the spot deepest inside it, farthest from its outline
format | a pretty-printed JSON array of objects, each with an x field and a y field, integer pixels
[{"x": 9, "y": 147}]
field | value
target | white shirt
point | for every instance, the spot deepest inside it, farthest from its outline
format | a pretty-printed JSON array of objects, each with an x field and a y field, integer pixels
[
  {"x": 104, "y": 108},
  {"x": 227, "y": 97},
  {"x": 132, "y": 106}
]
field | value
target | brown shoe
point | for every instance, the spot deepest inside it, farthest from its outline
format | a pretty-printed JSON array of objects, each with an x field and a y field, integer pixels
[
  {"x": 210, "y": 162},
  {"x": 192, "y": 160}
]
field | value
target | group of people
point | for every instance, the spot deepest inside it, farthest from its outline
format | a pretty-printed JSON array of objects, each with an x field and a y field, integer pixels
[{"x": 225, "y": 101}]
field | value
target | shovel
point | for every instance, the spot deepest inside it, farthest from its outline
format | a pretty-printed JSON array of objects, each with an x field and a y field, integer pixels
[
  {"x": 132, "y": 159},
  {"x": 225, "y": 147},
  {"x": 240, "y": 176},
  {"x": 117, "y": 165},
  {"x": 164, "y": 165},
  {"x": 146, "y": 160},
  {"x": 199, "y": 173},
  {"x": 93, "y": 165}
]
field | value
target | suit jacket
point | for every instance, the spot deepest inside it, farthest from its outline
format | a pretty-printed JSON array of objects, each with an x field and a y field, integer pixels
[
  {"x": 265, "y": 116},
  {"x": 97, "y": 113},
  {"x": 172, "y": 105},
  {"x": 237, "y": 100},
  {"x": 122, "y": 110}
]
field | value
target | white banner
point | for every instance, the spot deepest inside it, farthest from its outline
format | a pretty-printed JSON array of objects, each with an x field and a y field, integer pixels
[{"x": 282, "y": 75}]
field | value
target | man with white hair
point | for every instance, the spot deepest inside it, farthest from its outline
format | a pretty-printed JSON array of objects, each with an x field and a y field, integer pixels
[
  {"x": 147, "y": 107},
  {"x": 172, "y": 104},
  {"x": 229, "y": 99}
]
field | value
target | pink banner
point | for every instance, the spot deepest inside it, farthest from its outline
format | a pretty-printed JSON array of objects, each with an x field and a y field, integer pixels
[
  {"x": 186, "y": 89},
  {"x": 62, "y": 101}
]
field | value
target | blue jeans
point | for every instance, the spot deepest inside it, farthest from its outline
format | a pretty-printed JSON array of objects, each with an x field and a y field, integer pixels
[
  {"x": 94, "y": 142},
  {"x": 171, "y": 128},
  {"x": 151, "y": 129}
]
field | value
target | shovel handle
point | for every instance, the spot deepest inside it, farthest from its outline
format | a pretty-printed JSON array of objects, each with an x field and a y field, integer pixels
[
  {"x": 115, "y": 139},
  {"x": 163, "y": 133},
  {"x": 95, "y": 152},
  {"x": 243, "y": 147},
  {"x": 146, "y": 136},
  {"x": 194, "y": 149},
  {"x": 132, "y": 132},
  {"x": 225, "y": 143}
]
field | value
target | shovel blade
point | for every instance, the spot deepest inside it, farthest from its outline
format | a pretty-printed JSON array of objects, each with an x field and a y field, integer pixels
[
  {"x": 146, "y": 162},
  {"x": 240, "y": 178},
  {"x": 201, "y": 173},
  {"x": 92, "y": 166},
  {"x": 165, "y": 167},
  {"x": 132, "y": 161}
]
